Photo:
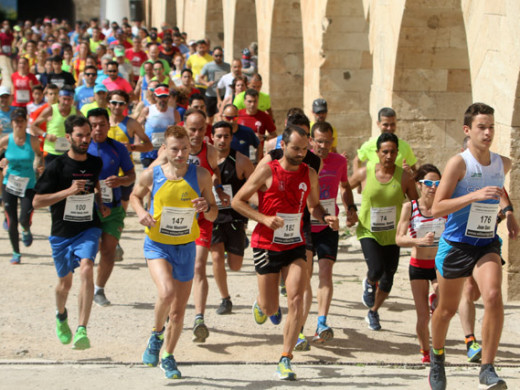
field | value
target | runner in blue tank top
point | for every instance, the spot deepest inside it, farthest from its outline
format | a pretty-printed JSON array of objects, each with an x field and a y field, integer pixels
[{"x": 470, "y": 193}]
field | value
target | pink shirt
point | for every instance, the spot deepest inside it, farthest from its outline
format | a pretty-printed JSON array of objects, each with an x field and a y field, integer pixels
[
  {"x": 119, "y": 83},
  {"x": 333, "y": 172}
]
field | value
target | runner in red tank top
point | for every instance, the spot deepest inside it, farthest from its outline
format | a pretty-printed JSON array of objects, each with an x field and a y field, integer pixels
[{"x": 284, "y": 187}]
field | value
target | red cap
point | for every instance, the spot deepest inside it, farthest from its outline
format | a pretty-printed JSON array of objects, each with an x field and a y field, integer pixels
[{"x": 162, "y": 91}]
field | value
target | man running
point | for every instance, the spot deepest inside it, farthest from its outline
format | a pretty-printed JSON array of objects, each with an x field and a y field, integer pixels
[
  {"x": 470, "y": 192},
  {"x": 67, "y": 186},
  {"x": 284, "y": 187},
  {"x": 229, "y": 228},
  {"x": 115, "y": 157},
  {"x": 179, "y": 191}
]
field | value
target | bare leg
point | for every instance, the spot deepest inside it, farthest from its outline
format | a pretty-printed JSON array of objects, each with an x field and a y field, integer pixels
[
  {"x": 325, "y": 288},
  {"x": 380, "y": 298},
  {"x": 307, "y": 295},
  {"x": 470, "y": 294},
  {"x": 177, "y": 310},
  {"x": 296, "y": 281},
  {"x": 200, "y": 281},
  {"x": 86, "y": 292},
  {"x": 62, "y": 292},
  {"x": 219, "y": 268},
  {"x": 420, "y": 289},
  {"x": 488, "y": 275},
  {"x": 107, "y": 250},
  {"x": 161, "y": 272}
]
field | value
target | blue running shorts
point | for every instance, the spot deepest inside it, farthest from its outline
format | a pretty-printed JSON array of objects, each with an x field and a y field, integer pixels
[{"x": 180, "y": 257}]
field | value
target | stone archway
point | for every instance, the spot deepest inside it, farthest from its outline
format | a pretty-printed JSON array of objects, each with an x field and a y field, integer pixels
[
  {"x": 285, "y": 59},
  {"x": 245, "y": 26},
  {"x": 214, "y": 23},
  {"x": 432, "y": 81}
]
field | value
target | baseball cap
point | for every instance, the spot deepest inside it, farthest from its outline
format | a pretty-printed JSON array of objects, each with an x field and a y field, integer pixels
[
  {"x": 4, "y": 91},
  {"x": 319, "y": 105},
  {"x": 100, "y": 88},
  {"x": 162, "y": 91},
  {"x": 119, "y": 51}
]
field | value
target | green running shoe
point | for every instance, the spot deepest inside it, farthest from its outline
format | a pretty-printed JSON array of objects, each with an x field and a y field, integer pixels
[
  {"x": 63, "y": 331},
  {"x": 169, "y": 366},
  {"x": 81, "y": 340},
  {"x": 284, "y": 369},
  {"x": 302, "y": 344},
  {"x": 259, "y": 316},
  {"x": 474, "y": 352}
]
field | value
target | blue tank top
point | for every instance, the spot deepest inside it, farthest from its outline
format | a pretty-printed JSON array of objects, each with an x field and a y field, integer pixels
[
  {"x": 21, "y": 160},
  {"x": 5, "y": 121},
  {"x": 144, "y": 88},
  {"x": 278, "y": 142},
  {"x": 155, "y": 126},
  {"x": 469, "y": 224}
]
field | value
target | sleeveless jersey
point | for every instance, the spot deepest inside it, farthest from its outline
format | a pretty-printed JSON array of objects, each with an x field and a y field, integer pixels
[
  {"x": 155, "y": 126},
  {"x": 381, "y": 206},
  {"x": 171, "y": 207},
  {"x": 119, "y": 132},
  {"x": 475, "y": 224},
  {"x": 21, "y": 160},
  {"x": 56, "y": 126},
  {"x": 228, "y": 176},
  {"x": 201, "y": 158},
  {"x": 287, "y": 198},
  {"x": 420, "y": 225}
]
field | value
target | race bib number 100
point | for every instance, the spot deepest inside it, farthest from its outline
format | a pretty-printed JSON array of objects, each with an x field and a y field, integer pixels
[{"x": 79, "y": 208}]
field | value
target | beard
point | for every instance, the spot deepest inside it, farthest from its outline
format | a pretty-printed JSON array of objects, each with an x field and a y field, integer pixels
[
  {"x": 293, "y": 161},
  {"x": 77, "y": 148}
]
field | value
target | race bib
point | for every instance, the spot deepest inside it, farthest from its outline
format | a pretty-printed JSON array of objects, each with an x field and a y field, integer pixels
[
  {"x": 23, "y": 96},
  {"x": 290, "y": 232},
  {"x": 330, "y": 207},
  {"x": 482, "y": 220},
  {"x": 157, "y": 140},
  {"x": 382, "y": 219},
  {"x": 176, "y": 221},
  {"x": 17, "y": 185},
  {"x": 228, "y": 190},
  {"x": 61, "y": 144},
  {"x": 107, "y": 195},
  {"x": 436, "y": 227},
  {"x": 136, "y": 69},
  {"x": 79, "y": 208},
  {"x": 252, "y": 154}
]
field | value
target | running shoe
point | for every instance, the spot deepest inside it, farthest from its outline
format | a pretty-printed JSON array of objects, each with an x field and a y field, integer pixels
[
  {"x": 283, "y": 289},
  {"x": 489, "y": 379},
  {"x": 118, "y": 255},
  {"x": 284, "y": 369},
  {"x": 258, "y": 315},
  {"x": 276, "y": 318},
  {"x": 16, "y": 259},
  {"x": 426, "y": 358},
  {"x": 369, "y": 294},
  {"x": 474, "y": 352},
  {"x": 323, "y": 333},
  {"x": 27, "y": 237},
  {"x": 81, "y": 340},
  {"x": 200, "y": 331},
  {"x": 63, "y": 331},
  {"x": 437, "y": 377},
  {"x": 225, "y": 306},
  {"x": 100, "y": 299},
  {"x": 151, "y": 353},
  {"x": 302, "y": 344},
  {"x": 372, "y": 319},
  {"x": 432, "y": 298},
  {"x": 169, "y": 366}
]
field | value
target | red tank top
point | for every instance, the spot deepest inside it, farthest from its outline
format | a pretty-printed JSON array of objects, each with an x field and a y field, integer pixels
[
  {"x": 287, "y": 196},
  {"x": 201, "y": 158}
]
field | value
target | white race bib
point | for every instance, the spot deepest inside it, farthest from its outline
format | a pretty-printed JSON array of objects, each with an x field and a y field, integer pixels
[
  {"x": 290, "y": 232},
  {"x": 382, "y": 218},
  {"x": 228, "y": 190},
  {"x": 176, "y": 221},
  {"x": 61, "y": 144},
  {"x": 252, "y": 154},
  {"x": 79, "y": 208},
  {"x": 330, "y": 208},
  {"x": 107, "y": 195},
  {"x": 157, "y": 140},
  {"x": 482, "y": 220},
  {"x": 17, "y": 185},
  {"x": 23, "y": 96},
  {"x": 436, "y": 227}
]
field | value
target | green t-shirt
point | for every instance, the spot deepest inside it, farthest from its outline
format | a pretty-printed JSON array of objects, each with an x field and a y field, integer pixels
[
  {"x": 368, "y": 151},
  {"x": 264, "y": 101}
]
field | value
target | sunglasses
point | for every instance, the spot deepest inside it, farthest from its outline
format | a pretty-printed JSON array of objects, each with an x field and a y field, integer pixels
[
  {"x": 90, "y": 74},
  {"x": 117, "y": 103},
  {"x": 111, "y": 71},
  {"x": 430, "y": 183},
  {"x": 230, "y": 118}
]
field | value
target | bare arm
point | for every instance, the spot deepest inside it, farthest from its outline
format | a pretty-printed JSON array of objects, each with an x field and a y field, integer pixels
[
  {"x": 141, "y": 189},
  {"x": 206, "y": 203},
  {"x": 145, "y": 145},
  {"x": 408, "y": 185},
  {"x": 42, "y": 118},
  {"x": 358, "y": 177},
  {"x": 401, "y": 236},
  {"x": 348, "y": 200},
  {"x": 45, "y": 200},
  {"x": 244, "y": 166}
]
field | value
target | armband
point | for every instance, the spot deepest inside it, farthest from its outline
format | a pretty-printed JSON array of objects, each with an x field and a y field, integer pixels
[
  {"x": 507, "y": 208},
  {"x": 352, "y": 207},
  {"x": 219, "y": 186}
]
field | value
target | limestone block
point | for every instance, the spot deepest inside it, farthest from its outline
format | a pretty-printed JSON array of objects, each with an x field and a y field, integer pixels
[
  {"x": 512, "y": 286},
  {"x": 354, "y": 80},
  {"x": 421, "y": 79},
  {"x": 352, "y": 41},
  {"x": 424, "y": 37},
  {"x": 286, "y": 45},
  {"x": 459, "y": 80},
  {"x": 347, "y": 24},
  {"x": 422, "y": 133},
  {"x": 428, "y": 57},
  {"x": 339, "y": 59},
  {"x": 432, "y": 18},
  {"x": 366, "y": 60},
  {"x": 429, "y": 105},
  {"x": 426, "y": 4}
]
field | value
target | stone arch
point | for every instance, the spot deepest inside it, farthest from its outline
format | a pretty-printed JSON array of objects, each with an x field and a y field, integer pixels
[
  {"x": 245, "y": 30},
  {"x": 432, "y": 81},
  {"x": 286, "y": 59},
  {"x": 215, "y": 23},
  {"x": 346, "y": 71}
]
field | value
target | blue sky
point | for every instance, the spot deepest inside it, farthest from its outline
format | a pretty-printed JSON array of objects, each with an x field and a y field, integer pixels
[{"x": 8, "y": 4}]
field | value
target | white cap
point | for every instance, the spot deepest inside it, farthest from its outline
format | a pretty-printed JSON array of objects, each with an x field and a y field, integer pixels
[{"x": 4, "y": 91}]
